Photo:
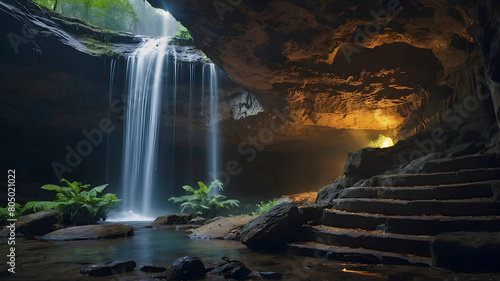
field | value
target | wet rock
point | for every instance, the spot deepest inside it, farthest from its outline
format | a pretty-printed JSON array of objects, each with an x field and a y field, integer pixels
[
  {"x": 39, "y": 223},
  {"x": 463, "y": 149},
  {"x": 100, "y": 231},
  {"x": 417, "y": 165},
  {"x": 268, "y": 275},
  {"x": 152, "y": 268},
  {"x": 232, "y": 269},
  {"x": 172, "y": 219},
  {"x": 222, "y": 228},
  {"x": 271, "y": 231},
  {"x": 186, "y": 268},
  {"x": 110, "y": 268},
  {"x": 472, "y": 252}
]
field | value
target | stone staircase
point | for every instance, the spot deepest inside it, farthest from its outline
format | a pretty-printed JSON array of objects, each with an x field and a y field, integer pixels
[{"x": 395, "y": 219}]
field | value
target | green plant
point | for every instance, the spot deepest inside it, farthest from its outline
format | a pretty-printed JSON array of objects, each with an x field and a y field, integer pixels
[
  {"x": 381, "y": 142},
  {"x": 9, "y": 212},
  {"x": 204, "y": 204},
  {"x": 76, "y": 198},
  {"x": 182, "y": 33},
  {"x": 263, "y": 208}
]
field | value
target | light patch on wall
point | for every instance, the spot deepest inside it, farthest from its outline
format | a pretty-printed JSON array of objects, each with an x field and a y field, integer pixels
[{"x": 243, "y": 105}]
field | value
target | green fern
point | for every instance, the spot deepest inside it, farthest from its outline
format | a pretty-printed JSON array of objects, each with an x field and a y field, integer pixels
[
  {"x": 73, "y": 198},
  {"x": 201, "y": 203},
  {"x": 263, "y": 208}
]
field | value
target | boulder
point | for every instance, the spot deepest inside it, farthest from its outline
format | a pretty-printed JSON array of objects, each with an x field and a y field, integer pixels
[
  {"x": 271, "y": 231},
  {"x": 232, "y": 269},
  {"x": 186, "y": 268},
  {"x": 470, "y": 252},
  {"x": 84, "y": 232},
  {"x": 223, "y": 228},
  {"x": 367, "y": 162},
  {"x": 172, "y": 219},
  {"x": 39, "y": 223},
  {"x": 110, "y": 268}
]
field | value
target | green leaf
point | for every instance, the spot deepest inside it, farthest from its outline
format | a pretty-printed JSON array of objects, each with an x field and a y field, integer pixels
[{"x": 98, "y": 189}]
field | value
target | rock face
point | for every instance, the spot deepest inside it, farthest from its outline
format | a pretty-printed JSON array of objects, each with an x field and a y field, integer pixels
[
  {"x": 466, "y": 251},
  {"x": 102, "y": 231},
  {"x": 223, "y": 228},
  {"x": 172, "y": 219},
  {"x": 39, "y": 223},
  {"x": 349, "y": 64},
  {"x": 110, "y": 268},
  {"x": 366, "y": 162},
  {"x": 186, "y": 268},
  {"x": 270, "y": 232}
]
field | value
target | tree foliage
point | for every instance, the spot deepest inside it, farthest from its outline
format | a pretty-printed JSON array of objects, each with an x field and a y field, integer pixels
[{"x": 204, "y": 204}]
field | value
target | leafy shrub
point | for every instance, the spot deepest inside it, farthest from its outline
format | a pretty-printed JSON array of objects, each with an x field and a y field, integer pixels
[
  {"x": 76, "y": 198},
  {"x": 204, "y": 204},
  {"x": 263, "y": 208},
  {"x": 182, "y": 33}
]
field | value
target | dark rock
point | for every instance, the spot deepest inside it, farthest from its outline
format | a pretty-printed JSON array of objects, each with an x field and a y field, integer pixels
[
  {"x": 39, "y": 223},
  {"x": 366, "y": 162},
  {"x": 314, "y": 212},
  {"x": 271, "y": 231},
  {"x": 100, "y": 231},
  {"x": 463, "y": 149},
  {"x": 186, "y": 268},
  {"x": 110, "y": 268},
  {"x": 332, "y": 191},
  {"x": 172, "y": 219},
  {"x": 232, "y": 269},
  {"x": 417, "y": 165},
  {"x": 472, "y": 252},
  {"x": 496, "y": 190},
  {"x": 152, "y": 268}
]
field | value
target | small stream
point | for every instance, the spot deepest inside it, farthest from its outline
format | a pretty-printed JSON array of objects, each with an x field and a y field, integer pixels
[{"x": 36, "y": 260}]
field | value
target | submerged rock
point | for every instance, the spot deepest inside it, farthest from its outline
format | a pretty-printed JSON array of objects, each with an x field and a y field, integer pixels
[
  {"x": 152, "y": 268},
  {"x": 100, "y": 231},
  {"x": 271, "y": 232},
  {"x": 223, "y": 228},
  {"x": 186, "y": 268},
  {"x": 39, "y": 223},
  {"x": 110, "y": 268},
  {"x": 172, "y": 219},
  {"x": 232, "y": 269},
  {"x": 466, "y": 251}
]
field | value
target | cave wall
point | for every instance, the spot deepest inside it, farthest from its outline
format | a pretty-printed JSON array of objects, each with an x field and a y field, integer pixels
[{"x": 352, "y": 64}]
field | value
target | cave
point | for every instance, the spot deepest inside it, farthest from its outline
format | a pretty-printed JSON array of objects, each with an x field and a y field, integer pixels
[{"x": 250, "y": 140}]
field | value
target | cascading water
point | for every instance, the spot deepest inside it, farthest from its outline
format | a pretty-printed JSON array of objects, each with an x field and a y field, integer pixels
[
  {"x": 153, "y": 73},
  {"x": 140, "y": 150},
  {"x": 213, "y": 141}
]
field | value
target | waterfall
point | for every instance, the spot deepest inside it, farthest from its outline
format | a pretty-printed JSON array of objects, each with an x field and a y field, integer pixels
[
  {"x": 142, "y": 120},
  {"x": 213, "y": 139}
]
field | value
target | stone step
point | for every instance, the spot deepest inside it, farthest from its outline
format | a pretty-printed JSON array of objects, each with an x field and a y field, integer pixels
[
  {"x": 369, "y": 239},
  {"x": 359, "y": 255},
  {"x": 467, "y": 207},
  {"x": 475, "y": 161},
  {"x": 413, "y": 225},
  {"x": 439, "y": 192},
  {"x": 435, "y": 178}
]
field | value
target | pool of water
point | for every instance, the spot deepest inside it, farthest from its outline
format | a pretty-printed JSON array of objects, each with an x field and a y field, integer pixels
[{"x": 36, "y": 260}]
